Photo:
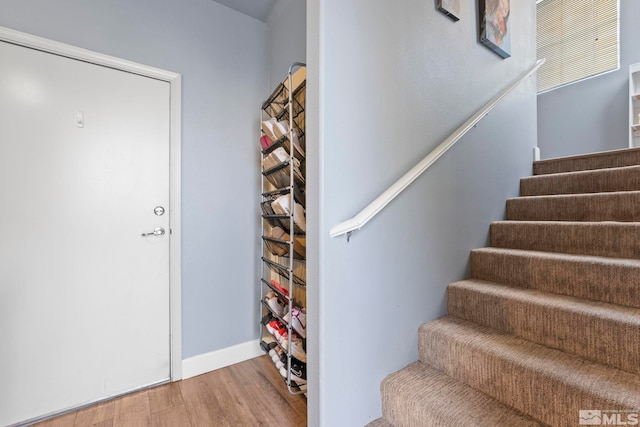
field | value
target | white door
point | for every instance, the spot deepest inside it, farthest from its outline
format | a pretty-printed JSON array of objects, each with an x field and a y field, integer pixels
[{"x": 84, "y": 297}]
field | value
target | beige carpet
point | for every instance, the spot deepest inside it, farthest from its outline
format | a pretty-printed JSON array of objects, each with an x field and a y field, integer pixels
[{"x": 549, "y": 323}]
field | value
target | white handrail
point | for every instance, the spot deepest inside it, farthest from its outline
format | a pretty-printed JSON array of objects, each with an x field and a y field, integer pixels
[{"x": 366, "y": 214}]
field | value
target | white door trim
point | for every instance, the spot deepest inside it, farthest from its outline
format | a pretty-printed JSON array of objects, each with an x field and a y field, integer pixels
[{"x": 175, "y": 82}]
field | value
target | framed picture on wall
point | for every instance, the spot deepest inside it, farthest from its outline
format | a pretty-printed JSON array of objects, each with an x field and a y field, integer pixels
[
  {"x": 451, "y": 8},
  {"x": 495, "y": 30}
]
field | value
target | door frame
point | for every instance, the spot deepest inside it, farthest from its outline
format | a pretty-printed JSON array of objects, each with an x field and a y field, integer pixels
[{"x": 175, "y": 84}]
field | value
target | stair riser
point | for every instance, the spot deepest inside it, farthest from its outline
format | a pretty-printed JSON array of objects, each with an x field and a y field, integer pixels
[
  {"x": 598, "y": 280},
  {"x": 612, "y": 159},
  {"x": 598, "y": 181},
  {"x": 618, "y": 240},
  {"x": 594, "y": 332},
  {"x": 518, "y": 380},
  {"x": 597, "y": 207}
]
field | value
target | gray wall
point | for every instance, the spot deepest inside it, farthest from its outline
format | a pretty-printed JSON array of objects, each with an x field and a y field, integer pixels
[
  {"x": 287, "y": 37},
  {"x": 592, "y": 115},
  {"x": 222, "y": 56},
  {"x": 393, "y": 80}
]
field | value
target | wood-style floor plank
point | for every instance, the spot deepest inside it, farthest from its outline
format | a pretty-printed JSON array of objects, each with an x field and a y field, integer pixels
[
  {"x": 226, "y": 401},
  {"x": 250, "y": 393},
  {"x": 197, "y": 403},
  {"x": 61, "y": 421},
  {"x": 106, "y": 423},
  {"x": 165, "y": 396},
  {"x": 172, "y": 416},
  {"x": 280, "y": 408},
  {"x": 133, "y": 410},
  {"x": 95, "y": 414}
]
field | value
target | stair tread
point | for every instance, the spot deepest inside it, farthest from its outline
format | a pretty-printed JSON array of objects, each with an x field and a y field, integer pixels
[
  {"x": 590, "y": 329},
  {"x": 599, "y": 195},
  {"x": 435, "y": 398},
  {"x": 579, "y": 223},
  {"x": 624, "y": 178},
  {"x": 606, "y": 384},
  {"x": 559, "y": 255}
]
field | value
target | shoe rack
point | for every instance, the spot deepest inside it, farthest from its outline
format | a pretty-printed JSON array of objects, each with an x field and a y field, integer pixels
[
  {"x": 283, "y": 276},
  {"x": 634, "y": 105}
]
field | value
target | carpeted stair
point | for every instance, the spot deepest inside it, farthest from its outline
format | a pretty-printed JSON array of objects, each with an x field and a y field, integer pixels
[{"x": 549, "y": 322}]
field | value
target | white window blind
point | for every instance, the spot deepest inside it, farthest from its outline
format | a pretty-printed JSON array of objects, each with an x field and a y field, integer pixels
[{"x": 579, "y": 39}]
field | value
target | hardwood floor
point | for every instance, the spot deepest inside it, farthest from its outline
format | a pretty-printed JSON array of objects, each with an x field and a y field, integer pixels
[{"x": 250, "y": 393}]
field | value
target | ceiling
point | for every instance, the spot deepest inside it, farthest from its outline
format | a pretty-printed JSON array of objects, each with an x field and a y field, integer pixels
[{"x": 258, "y": 9}]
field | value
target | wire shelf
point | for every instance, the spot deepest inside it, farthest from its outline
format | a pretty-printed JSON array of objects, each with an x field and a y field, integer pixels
[
  {"x": 282, "y": 221},
  {"x": 280, "y": 247},
  {"x": 283, "y": 271},
  {"x": 285, "y": 143},
  {"x": 298, "y": 194},
  {"x": 279, "y": 175},
  {"x": 275, "y": 105}
]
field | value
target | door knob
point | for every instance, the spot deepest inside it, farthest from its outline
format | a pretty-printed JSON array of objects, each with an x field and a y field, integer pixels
[{"x": 157, "y": 232}]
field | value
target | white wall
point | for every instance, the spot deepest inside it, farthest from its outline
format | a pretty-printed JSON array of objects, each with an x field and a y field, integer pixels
[
  {"x": 388, "y": 81},
  {"x": 592, "y": 115},
  {"x": 222, "y": 56},
  {"x": 287, "y": 37}
]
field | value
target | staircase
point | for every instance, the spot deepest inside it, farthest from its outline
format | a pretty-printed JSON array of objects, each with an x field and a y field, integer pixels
[{"x": 549, "y": 323}]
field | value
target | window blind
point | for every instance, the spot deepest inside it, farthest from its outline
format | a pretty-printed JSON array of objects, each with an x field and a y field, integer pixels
[{"x": 579, "y": 39}]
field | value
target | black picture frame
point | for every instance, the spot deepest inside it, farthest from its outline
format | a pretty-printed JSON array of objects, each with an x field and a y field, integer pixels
[
  {"x": 495, "y": 28},
  {"x": 451, "y": 8}
]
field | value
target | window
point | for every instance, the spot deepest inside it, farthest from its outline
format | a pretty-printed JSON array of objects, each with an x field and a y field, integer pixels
[{"x": 579, "y": 39}]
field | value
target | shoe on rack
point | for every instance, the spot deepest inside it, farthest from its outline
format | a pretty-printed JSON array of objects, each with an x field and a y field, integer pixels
[
  {"x": 281, "y": 206},
  {"x": 280, "y": 129},
  {"x": 266, "y": 319},
  {"x": 298, "y": 371},
  {"x": 275, "y": 158},
  {"x": 273, "y": 352},
  {"x": 300, "y": 247},
  {"x": 274, "y": 303},
  {"x": 282, "y": 361},
  {"x": 278, "y": 330},
  {"x": 265, "y": 141},
  {"x": 279, "y": 233},
  {"x": 296, "y": 144},
  {"x": 280, "y": 288},
  {"x": 278, "y": 356},
  {"x": 268, "y": 343},
  {"x": 297, "y": 346},
  {"x": 268, "y": 128},
  {"x": 298, "y": 320},
  {"x": 273, "y": 327}
]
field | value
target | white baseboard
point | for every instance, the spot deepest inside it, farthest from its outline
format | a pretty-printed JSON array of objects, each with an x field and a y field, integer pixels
[{"x": 203, "y": 363}]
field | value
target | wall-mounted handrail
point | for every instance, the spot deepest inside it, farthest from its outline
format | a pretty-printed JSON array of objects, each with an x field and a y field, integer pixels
[{"x": 366, "y": 214}]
